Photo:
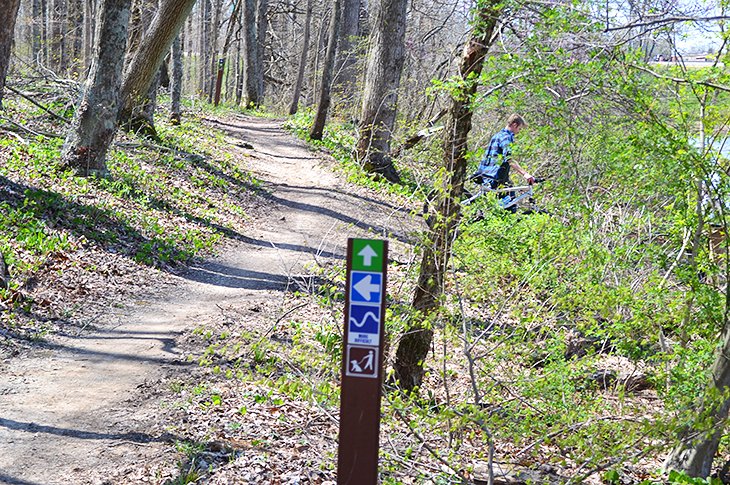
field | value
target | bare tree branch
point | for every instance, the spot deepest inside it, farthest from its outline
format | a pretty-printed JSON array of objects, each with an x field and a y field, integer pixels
[
  {"x": 667, "y": 20},
  {"x": 680, "y": 80}
]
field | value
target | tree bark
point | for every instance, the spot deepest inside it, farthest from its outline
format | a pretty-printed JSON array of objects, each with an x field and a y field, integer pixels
[
  {"x": 89, "y": 15},
  {"x": 252, "y": 96},
  {"x": 95, "y": 120},
  {"x": 36, "y": 29},
  {"x": 414, "y": 345},
  {"x": 8, "y": 16},
  {"x": 142, "y": 122},
  {"x": 176, "y": 82},
  {"x": 347, "y": 49},
  {"x": 380, "y": 97},
  {"x": 205, "y": 49},
  {"x": 698, "y": 444},
  {"x": 262, "y": 22},
  {"x": 302, "y": 60},
  {"x": 327, "y": 72},
  {"x": 146, "y": 61},
  {"x": 75, "y": 22}
]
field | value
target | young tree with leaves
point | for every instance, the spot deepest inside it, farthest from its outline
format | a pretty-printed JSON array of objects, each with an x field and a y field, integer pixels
[{"x": 416, "y": 342}]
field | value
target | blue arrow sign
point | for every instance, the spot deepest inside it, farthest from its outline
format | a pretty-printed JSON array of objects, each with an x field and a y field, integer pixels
[{"x": 366, "y": 287}]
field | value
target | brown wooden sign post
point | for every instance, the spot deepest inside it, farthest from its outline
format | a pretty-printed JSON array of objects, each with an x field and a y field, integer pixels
[{"x": 362, "y": 362}]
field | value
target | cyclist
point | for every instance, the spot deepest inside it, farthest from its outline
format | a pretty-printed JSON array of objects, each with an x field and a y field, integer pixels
[{"x": 495, "y": 166}]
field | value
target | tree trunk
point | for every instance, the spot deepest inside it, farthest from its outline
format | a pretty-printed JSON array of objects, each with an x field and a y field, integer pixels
[
  {"x": 215, "y": 36},
  {"x": 327, "y": 71},
  {"x": 240, "y": 75},
  {"x": 55, "y": 20},
  {"x": 45, "y": 56},
  {"x": 415, "y": 343},
  {"x": 75, "y": 26},
  {"x": 8, "y": 15},
  {"x": 698, "y": 443},
  {"x": 252, "y": 96},
  {"x": 385, "y": 65},
  {"x": 145, "y": 63},
  {"x": 302, "y": 60},
  {"x": 36, "y": 29},
  {"x": 95, "y": 120},
  {"x": 176, "y": 82},
  {"x": 142, "y": 122},
  {"x": 89, "y": 15},
  {"x": 206, "y": 50},
  {"x": 262, "y": 22},
  {"x": 347, "y": 49},
  {"x": 4, "y": 273}
]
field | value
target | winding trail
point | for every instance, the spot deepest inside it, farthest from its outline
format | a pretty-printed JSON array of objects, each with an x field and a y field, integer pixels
[{"x": 68, "y": 411}]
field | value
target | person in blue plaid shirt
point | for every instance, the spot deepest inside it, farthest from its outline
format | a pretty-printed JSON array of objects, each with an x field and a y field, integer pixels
[{"x": 497, "y": 162}]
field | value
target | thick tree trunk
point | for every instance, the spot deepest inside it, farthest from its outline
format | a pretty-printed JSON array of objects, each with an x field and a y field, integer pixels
[
  {"x": 8, "y": 15},
  {"x": 414, "y": 345},
  {"x": 699, "y": 443},
  {"x": 327, "y": 72},
  {"x": 95, "y": 120},
  {"x": 145, "y": 63},
  {"x": 176, "y": 82},
  {"x": 142, "y": 122},
  {"x": 252, "y": 97},
  {"x": 380, "y": 97},
  {"x": 302, "y": 60}
]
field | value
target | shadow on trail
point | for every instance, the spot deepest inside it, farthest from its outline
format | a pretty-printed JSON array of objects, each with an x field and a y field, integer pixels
[
  {"x": 302, "y": 206},
  {"x": 7, "y": 479},
  {"x": 221, "y": 275},
  {"x": 355, "y": 197},
  {"x": 237, "y": 236},
  {"x": 141, "y": 438},
  {"x": 168, "y": 347},
  {"x": 168, "y": 342}
]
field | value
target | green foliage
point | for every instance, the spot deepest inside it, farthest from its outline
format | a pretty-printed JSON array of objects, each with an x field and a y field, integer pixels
[{"x": 676, "y": 477}]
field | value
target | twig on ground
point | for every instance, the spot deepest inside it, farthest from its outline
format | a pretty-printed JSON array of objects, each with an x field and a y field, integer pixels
[
  {"x": 26, "y": 129},
  {"x": 428, "y": 447},
  {"x": 31, "y": 100},
  {"x": 153, "y": 146}
]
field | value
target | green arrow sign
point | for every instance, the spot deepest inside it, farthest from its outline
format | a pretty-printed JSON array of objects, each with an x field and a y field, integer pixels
[{"x": 367, "y": 255}]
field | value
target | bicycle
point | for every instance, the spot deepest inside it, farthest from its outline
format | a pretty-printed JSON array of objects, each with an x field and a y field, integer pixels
[{"x": 515, "y": 197}]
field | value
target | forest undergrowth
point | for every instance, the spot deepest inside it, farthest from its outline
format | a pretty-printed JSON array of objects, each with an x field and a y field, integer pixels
[
  {"x": 72, "y": 242},
  {"x": 562, "y": 352}
]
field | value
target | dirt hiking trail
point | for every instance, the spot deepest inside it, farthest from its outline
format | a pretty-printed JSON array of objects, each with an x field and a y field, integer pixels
[{"x": 72, "y": 411}]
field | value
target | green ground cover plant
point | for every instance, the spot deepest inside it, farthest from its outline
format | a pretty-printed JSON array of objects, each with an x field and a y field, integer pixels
[{"x": 160, "y": 206}]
